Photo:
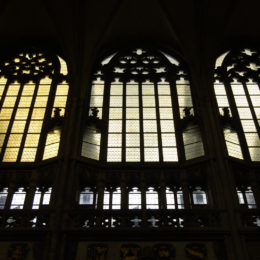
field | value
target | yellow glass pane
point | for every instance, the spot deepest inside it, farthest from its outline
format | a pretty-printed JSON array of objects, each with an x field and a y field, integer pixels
[
  {"x": 147, "y": 89},
  {"x": 252, "y": 139},
  {"x": 14, "y": 140},
  {"x": 97, "y": 89},
  {"x": 6, "y": 113},
  {"x": 183, "y": 90},
  {"x": 255, "y": 100},
  {"x": 150, "y": 140},
  {"x": 18, "y": 127},
  {"x": 132, "y": 126},
  {"x": 116, "y": 89},
  {"x": 21, "y": 113},
  {"x": 170, "y": 155},
  {"x": 222, "y": 101},
  {"x": 165, "y": 101},
  {"x": 132, "y": 101},
  {"x": 2, "y": 138},
  {"x": 62, "y": 89},
  {"x": 151, "y": 154},
  {"x": 220, "y": 89},
  {"x": 10, "y": 154},
  {"x": 43, "y": 90},
  {"x": 13, "y": 90},
  {"x": 133, "y": 154},
  {"x": 148, "y": 101},
  {"x": 3, "y": 126},
  {"x": 116, "y": 101},
  {"x": 52, "y": 138},
  {"x": 35, "y": 127},
  {"x": 96, "y": 101},
  {"x": 132, "y": 113},
  {"x": 132, "y": 89},
  {"x": 245, "y": 113},
  {"x": 164, "y": 89},
  {"x": 41, "y": 101},
  {"x": 166, "y": 113},
  {"x": 32, "y": 140},
  {"x": 253, "y": 89},
  {"x": 167, "y": 126},
  {"x": 255, "y": 154},
  {"x": 149, "y": 113},
  {"x": 28, "y": 90},
  {"x": 3, "y": 81},
  {"x": 185, "y": 101},
  {"x": 28, "y": 154},
  {"x": 46, "y": 80},
  {"x": 25, "y": 101},
  {"x": 60, "y": 101},
  {"x": 132, "y": 140},
  {"x": 241, "y": 101},
  {"x": 115, "y": 126},
  {"x": 114, "y": 154},
  {"x": 248, "y": 125},
  {"x": 38, "y": 113},
  {"x": 9, "y": 101},
  {"x": 114, "y": 140},
  {"x": 1, "y": 90},
  {"x": 168, "y": 140},
  {"x": 150, "y": 126},
  {"x": 115, "y": 113},
  {"x": 238, "y": 89},
  {"x": 51, "y": 151}
]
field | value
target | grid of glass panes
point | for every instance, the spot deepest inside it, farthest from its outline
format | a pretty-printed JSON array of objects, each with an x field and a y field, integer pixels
[
  {"x": 41, "y": 197},
  {"x": 174, "y": 198},
  {"x": 152, "y": 200},
  {"x": 18, "y": 199},
  {"x": 53, "y": 138},
  {"x": 112, "y": 199},
  {"x": 193, "y": 145},
  {"x": 246, "y": 197},
  {"x": 91, "y": 138},
  {"x": 246, "y": 114},
  {"x": 169, "y": 149},
  {"x": 26, "y": 104},
  {"x": 22, "y": 114},
  {"x": 3, "y": 197},
  {"x": 231, "y": 137},
  {"x": 114, "y": 143},
  {"x": 199, "y": 196},
  {"x": 132, "y": 123},
  {"x": 134, "y": 199}
]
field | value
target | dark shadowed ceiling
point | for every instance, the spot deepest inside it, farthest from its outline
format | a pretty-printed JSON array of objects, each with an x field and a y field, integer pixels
[{"x": 84, "y": 29}]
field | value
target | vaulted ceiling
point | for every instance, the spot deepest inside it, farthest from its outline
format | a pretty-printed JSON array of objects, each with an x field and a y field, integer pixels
[{"x": 83, "y": 29}]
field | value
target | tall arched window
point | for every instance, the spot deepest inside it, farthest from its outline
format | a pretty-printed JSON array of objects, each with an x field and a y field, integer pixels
[
  {"x": 33, "y": 95},
  {"x": 238, "y": 95},
  {"x": 141, "y": 110}
]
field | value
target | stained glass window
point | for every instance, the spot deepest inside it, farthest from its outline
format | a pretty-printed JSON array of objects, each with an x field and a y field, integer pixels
[
  {"x": 32, "y": 85},
  {"x": 137, "y": 98},
  {"x": 238, "y": 96}
]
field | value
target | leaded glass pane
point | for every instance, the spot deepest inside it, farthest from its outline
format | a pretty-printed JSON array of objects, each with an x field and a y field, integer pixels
[
  {"x": 114, "y": 140},
  {"x": 170, "y": 154},
  {"x": 133, "y": 154},
  {"x": 151, "y": 155},
  {"x": 132, "y": 140},
  {"x": 132, "y": 126},
  {"x": 150, "y": 126},
  {"x": 150, "y": 140},
  {"x": 114, "y": 154}
]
